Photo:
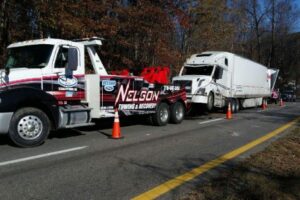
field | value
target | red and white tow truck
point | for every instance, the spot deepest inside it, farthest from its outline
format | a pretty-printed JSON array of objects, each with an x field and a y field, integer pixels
[{"x": 50, "y": 84}]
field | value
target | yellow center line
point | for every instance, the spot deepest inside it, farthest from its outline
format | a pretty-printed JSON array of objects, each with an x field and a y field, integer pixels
[{"x": 181, "y": 179}]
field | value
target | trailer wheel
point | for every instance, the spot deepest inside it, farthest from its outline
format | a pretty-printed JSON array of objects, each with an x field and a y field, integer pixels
[
  {"x": 177, "y": 112},
  {"x": 29, "y": 127},
  {"x": 237, "y": 105},
  {"x": 233, "y": 106},
  {"x": 210, "y": 102},
  {"x": 162, "y": 115}
]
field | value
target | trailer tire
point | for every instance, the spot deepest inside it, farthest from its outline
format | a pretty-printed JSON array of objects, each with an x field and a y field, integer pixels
[
  {"x": 177, "y": 112},
  {"x": 238, "y": 107},
  {"x": 233, "y": 106},
  {"x": 29, "y": 127},
  {"x": 162, "y": 115},
  {"x": 210, "y": 102}
]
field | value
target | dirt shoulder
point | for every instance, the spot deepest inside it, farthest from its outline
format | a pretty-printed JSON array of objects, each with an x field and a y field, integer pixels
[{"x": 273, "y": 173}]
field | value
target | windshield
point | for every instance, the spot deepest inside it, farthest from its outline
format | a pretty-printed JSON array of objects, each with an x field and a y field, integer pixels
[
  {"x": 201, "y": 70},
  {"x": 35, "y": 56}
]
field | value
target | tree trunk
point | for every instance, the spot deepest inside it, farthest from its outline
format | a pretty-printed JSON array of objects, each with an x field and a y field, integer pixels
[
  {"x": 272, "y": 49},
  {"x": 2, "y": 20}
]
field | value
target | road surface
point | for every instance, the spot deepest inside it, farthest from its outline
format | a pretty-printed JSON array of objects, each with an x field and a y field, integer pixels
[{"x": 85, "y": 164}]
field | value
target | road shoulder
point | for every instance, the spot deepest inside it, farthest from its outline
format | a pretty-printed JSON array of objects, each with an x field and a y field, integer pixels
[{"x": 270, "y": 174}]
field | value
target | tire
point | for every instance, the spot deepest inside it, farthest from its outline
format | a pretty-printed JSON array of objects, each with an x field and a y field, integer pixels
[
  {"x": 210, "y": 102},
  {"x": 233, "y": 106},
  {"x": 29, "y": 127},
  {"x": 238, "y": 108},
  {"x": 162, "y": 115},
  {"x": 177, "y": 113},
  {"x": 237, "y": 105}
]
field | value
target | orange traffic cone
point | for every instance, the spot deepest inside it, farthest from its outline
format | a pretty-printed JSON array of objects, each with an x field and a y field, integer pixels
[
  {"x": 281, "y": 103},
  {"x": 229, "y": 114},
  {"x": 116, "y": 132},
  {"x": 263, "y": 105}
]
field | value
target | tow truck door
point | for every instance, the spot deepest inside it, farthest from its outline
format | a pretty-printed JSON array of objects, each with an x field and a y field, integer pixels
[
  {"x": 61, "y": 60},
  {"x": 56, "y": 75}
]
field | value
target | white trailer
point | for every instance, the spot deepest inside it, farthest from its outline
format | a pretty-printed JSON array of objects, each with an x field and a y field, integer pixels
[{"x": 215, "y": 78}]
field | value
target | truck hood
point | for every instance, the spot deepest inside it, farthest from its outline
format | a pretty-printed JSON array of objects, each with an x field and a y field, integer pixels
[
  {"x": 189, "y": 77},
  {"x": 19, "y": 74},
  {"x": 194, "y": 78}
]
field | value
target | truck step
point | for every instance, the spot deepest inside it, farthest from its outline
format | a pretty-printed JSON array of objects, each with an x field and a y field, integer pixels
[
  {"x": 76, "y": 109},
  {"x": 79, "y": 125}
]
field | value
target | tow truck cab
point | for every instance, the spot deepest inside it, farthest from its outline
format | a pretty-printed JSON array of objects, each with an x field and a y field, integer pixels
[{"x": 50, "y": 84}]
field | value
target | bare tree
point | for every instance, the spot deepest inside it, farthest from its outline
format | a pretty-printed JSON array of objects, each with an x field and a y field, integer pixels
[{"x": 256, "y": 13}]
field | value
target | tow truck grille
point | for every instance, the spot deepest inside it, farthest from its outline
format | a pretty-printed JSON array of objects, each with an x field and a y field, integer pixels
[{"x": 186, "y": 84}]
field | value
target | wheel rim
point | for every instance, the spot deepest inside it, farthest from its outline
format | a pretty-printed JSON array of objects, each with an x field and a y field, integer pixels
[
  {"x": 179, "y": 112},
  {"x": 30, "y": 127},
  {"x": 164, "y": 114}
]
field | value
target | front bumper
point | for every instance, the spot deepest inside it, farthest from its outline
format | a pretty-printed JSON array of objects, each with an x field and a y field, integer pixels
[
  {"x": 5, "y": 122},
  {"x": 197, "y": 99}
]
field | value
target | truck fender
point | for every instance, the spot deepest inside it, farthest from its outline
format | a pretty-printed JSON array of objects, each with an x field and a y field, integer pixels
[{"x": 16, "y": 98}]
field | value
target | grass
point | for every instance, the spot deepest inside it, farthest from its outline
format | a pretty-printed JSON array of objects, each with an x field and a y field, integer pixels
[{"x": 271, "y": 174}]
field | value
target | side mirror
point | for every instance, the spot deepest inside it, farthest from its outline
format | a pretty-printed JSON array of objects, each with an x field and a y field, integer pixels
[
  {"x": 72, "y": 62},
  {"x": 72, "y": 58}
]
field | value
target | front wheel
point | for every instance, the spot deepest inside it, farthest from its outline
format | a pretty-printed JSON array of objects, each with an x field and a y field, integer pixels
[
  {"x": 29, "y": 127},
  {"x": 177, "y": 113},
  {"x": 210, "y": 102},
  {"x": 162, "y": 115}
]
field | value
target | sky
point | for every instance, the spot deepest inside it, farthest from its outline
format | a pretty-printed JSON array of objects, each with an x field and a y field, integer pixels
[{"x": 297, "y": 28}]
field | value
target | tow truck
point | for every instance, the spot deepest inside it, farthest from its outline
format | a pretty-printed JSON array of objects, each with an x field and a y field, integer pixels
[{"x": 49, "y": 84}]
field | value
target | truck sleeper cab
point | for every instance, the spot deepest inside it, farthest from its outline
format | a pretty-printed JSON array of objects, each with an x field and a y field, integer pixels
[{"x": 47, "y": 84}]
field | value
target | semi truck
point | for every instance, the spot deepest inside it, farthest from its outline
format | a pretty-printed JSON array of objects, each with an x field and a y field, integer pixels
[
  {"x": 215, "y": 79},
  {"x": 50, "y": 84}
]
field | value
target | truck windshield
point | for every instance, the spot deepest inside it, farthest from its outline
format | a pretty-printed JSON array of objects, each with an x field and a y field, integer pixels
[
  {"x": 201, "y": 70},
  {"x": 35, "y": 56}
]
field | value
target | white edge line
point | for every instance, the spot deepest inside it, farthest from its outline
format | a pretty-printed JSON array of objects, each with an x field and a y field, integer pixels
[
  {"x": 41, "y": 156},
  {"x": 212, "y": 120}
]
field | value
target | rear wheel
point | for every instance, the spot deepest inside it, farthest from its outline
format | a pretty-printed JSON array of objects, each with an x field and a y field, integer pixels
[
  {"x": 177, "y": 112},
  {"x": 162, "y": 115},
  {"x": 29, "y": 127}
]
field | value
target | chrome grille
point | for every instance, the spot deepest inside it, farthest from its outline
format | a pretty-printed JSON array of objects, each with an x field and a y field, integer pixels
[{"x": 184, "y": 83}]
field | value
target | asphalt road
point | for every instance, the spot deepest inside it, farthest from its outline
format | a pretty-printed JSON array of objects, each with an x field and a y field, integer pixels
[{"x": 85, "y": 164}]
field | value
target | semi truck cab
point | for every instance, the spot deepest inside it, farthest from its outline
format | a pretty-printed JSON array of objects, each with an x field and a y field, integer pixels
[{"x": 204, "y": 79}]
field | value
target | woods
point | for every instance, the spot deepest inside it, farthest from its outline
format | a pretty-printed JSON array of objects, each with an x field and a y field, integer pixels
[{"x": 140, "y": 33}]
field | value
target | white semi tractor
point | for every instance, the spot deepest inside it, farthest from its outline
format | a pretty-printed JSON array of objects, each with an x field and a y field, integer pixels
[{"x": 214, "y": 79}]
